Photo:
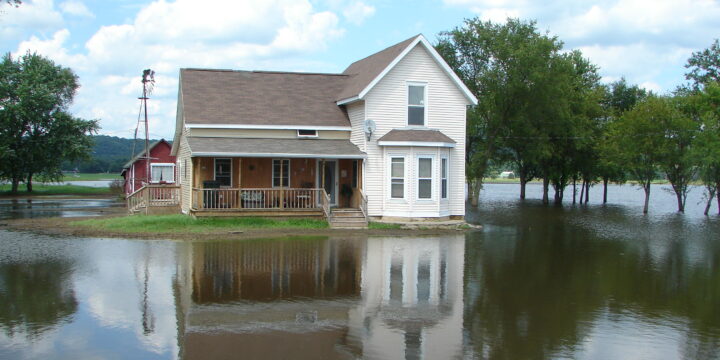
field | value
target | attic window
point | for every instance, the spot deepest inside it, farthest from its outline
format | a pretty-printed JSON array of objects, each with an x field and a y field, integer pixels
[{"x": 307, "y": 133}]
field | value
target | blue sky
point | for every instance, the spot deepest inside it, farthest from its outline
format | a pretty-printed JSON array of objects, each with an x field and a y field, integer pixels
[{"x": 109, "y": 43}]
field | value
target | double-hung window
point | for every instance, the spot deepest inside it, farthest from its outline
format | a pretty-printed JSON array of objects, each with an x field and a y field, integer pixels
[
  {"x": 223, "y": 172},
  {"x": 416, "y": 104},
  {"x": 444, "y": 178},
  {"x": 162, "y": 173},
  {"x": 397, "y": 177},
  {"x": 281, "y": 172},
  {"x": 424, "y": 178}
]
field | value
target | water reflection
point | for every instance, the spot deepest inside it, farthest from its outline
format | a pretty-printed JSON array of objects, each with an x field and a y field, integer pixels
[{"x": 323, "y": 298}]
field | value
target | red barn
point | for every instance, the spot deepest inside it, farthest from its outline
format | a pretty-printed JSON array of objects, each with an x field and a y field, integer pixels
[{"x": 162, "y": 167}]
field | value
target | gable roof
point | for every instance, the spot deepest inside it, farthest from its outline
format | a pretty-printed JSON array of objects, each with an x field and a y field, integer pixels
[
  {"x": 366, "y": 73},
  {"x": 141, "y": 154},
  {"x": 261, "y": 98}
]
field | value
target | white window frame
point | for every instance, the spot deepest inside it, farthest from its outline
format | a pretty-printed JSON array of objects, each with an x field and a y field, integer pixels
[
  {"x": 445, "y": 176},
  {"x": 215, "y": 169},
  {"x": 152, "y": 165},
  {"x": 272, "y": 179},
  {"x": 390, "y": 157},
  {"x": 424, "y": 85},
  {"x": 307, "y": 136},
  {"x": 432, "y": 177}
]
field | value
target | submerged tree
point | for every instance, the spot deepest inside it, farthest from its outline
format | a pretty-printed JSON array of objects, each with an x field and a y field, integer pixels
[
  {"x": 706, "y": 149},
  {"x": 36, "y": 128}
]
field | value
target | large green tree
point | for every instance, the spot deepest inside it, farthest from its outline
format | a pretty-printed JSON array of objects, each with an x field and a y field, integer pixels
[
  {"x": 504, "y": 65},
  {"x": 706, "y": 148},
  {"x": 704, "y": 65},
  {"x": 37, "y": 132}
]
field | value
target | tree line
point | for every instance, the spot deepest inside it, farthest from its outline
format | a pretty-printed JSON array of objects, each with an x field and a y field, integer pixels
[{"x": 545, "y": 111}]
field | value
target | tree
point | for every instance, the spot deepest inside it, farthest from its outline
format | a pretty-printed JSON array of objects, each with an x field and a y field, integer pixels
[
  {"x": 35, "y": 126},
  {"x": 704, "y": 66},
  {"x": 14, "y": 3},
  {"x": 706, "y": 149},
  {"x": 498, "y": 63}
]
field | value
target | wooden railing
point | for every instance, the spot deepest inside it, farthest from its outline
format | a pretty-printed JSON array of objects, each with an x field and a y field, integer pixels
[
  {"x": 155, "y": 195},
  {"x": 363, "y": 202},
  {"x": 259, "y": 198}
]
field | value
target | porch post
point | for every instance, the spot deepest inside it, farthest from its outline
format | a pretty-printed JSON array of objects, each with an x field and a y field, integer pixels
[
  {"x": 240, "y": 183},
  {"x": 282, "y": 191},
  {"x": 322, "y": 165}
]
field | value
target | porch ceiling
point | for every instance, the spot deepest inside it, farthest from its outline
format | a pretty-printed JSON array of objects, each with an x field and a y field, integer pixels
[{"x": 288, "y": 148}]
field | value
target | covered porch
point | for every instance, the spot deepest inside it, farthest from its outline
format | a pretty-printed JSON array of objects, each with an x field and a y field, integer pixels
[{"x": 253, "y": 177}]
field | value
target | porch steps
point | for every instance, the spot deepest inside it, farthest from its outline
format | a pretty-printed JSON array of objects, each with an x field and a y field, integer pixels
[{"x": 347, "y": 219}]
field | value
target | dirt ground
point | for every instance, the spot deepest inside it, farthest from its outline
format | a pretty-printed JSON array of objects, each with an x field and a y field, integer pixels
[{"x": 61, "y": 226}]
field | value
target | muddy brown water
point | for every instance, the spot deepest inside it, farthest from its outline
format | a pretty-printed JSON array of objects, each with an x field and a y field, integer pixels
[{"x": 583, "y": 282}]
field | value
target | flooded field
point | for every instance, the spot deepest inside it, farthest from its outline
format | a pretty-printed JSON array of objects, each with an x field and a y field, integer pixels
[{"x": 541, "y": 282}]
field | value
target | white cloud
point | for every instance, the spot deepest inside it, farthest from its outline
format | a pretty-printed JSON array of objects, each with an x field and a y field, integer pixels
[
  {"x": 38, "y": 16},
  {"x": 358, "y": 11},
  {"x": 76, "y": 8},
  {"x": 166, "y": 36}
]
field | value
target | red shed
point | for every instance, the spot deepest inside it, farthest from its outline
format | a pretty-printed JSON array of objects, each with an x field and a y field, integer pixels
[{"x": 162, "y": 167}]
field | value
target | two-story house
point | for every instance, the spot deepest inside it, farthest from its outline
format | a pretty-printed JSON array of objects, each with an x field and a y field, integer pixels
[{"x": 384, "y": 139}]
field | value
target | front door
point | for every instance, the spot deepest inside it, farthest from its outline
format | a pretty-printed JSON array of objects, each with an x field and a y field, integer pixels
[{"x": 331, "y": 184}]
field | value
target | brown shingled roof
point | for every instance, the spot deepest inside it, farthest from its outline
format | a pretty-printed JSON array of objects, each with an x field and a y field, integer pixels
[
  {"x": 216, "y": 146},
  {"x": 261, "y": 98},
  {"x": 364, "y": 71},
  {"x": 416, "y": 135}
]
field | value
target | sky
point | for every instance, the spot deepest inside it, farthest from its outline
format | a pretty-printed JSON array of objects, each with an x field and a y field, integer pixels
[{"x": 109, "y": 43}]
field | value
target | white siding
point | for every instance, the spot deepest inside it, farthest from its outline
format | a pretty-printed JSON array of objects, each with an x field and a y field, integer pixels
[
  {"x": 356, "y": 113},
  {"x": 184, "y": 158},
  {"x": 386, "y": 103}
]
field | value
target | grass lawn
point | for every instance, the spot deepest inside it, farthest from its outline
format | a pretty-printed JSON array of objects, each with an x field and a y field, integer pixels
[
  {"x": 90, "y": 177},
  {"x": 182, "y": 223},
  {"x": 41, "y": 189}
]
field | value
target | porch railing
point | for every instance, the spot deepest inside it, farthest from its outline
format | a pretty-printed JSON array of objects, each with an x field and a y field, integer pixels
[
  {"x": 260, "y": 198},
  {"x": 154, "y": 195},
  {"x": 363, "y": 202}
]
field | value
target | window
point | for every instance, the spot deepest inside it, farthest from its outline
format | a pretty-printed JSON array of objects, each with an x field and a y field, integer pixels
[
  {"x": 397, "y": 178},
  {"x": 307, "y": 133},
  {"x": 424, "y": 178},
  {"x": 281, "y": 170},
  {"x": 416, "y": 105},
  {"x": 444, "y": 179},
  {"x": 162, "y": 173},
  {"x": 223, "y": 172}
]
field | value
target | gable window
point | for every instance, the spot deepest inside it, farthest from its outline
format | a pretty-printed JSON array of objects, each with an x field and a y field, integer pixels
[
  {"x": 424, "y": 178},
  {"x": 444, "y": 179},
  {"x": 162, "y": 173},
  {"x": 281, "y": 172},
  {"x": 307, "y": 133},
  {"x": 416, "y": 104},
  {"x": 397, "y": 178},
  {"x": 223, "y": 172}
]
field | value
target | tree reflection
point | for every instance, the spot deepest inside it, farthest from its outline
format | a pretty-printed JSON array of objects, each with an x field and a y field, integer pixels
[
  {"x": 35, "y": 296},
  {"x": 540, "y": 291}
]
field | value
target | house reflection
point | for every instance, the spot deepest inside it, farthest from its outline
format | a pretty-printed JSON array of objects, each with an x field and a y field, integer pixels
[{"x": 321, "y": 298}]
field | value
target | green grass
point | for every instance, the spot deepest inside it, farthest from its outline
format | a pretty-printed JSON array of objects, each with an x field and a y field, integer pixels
[
  {"x": 183, "y": 223},
  {"x": 42, "y": 189},
  {"x": 90, "y": 177},
  {"x": 379, "y": 225}
]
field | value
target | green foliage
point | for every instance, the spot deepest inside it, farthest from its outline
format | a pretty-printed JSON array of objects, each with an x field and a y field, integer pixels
[
  {"x": 704, "y": 66},
  {"x": 184, "y": 223},
  {"x": 108, "y": 155},
  {"x": 35, "y": 128}
]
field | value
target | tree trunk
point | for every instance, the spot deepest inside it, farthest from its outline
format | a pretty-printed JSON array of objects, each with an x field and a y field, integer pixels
[
  {"x": 15, "y": 185},
  {"x": 574, "y": 190},
  {"x": 681, "y": 203},
  {"x": 546, "y": 185},
  {"x": 523, "y": 182},
  {"x": 646, "y": 187},
  {"x": 711, "y": 195},
  {"x": 587, "y": 191},
  {"x": 717, "y": 194},
  {"x": 605, "y": 183},
  {"x": 29, "y": 182},
  {"x": 474, "y": 192},
  {"x": 582, "y": 191}
]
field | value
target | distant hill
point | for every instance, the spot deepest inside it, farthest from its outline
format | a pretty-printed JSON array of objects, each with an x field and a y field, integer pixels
[{"x": 109, "y": 155}]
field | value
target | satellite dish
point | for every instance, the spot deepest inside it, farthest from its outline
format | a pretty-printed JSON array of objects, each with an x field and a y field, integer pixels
[{"x": 369, "y": 128}]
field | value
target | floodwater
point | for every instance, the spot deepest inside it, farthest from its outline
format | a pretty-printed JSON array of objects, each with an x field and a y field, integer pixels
[
  {"x": 54, "y": 206},
  {"x": 540, "y": 282}
]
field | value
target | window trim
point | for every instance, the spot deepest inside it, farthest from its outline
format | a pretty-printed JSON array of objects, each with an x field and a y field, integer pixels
[
  {"x": 445, "y": 176},
  {"x": 418, "y": 178},
  {"x": 215, "y": 169},
  {"x": 153, "y": 181},
  {"x": 272, "y": 178},
  {"x": 390, "y": 157},
  {"x": 307, "y": 136},
  {"x": 424, "y": 85}
]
